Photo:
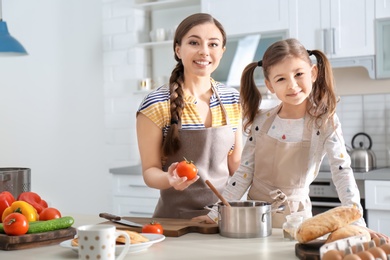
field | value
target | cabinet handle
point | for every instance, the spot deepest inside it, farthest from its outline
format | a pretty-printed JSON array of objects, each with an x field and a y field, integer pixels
[
  {"x": 333, "y": 41},
  {"x": 140, "y": 213},
  {"x": 136, "y": 186},
  {"x": 324, "y": 40}
]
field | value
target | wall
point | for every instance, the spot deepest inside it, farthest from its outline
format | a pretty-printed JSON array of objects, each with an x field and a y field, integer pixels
[{"x": 51, "y": 102}]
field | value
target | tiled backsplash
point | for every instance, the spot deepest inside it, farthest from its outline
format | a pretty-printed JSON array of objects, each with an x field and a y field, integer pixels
[{"x": 369, "y": 114}]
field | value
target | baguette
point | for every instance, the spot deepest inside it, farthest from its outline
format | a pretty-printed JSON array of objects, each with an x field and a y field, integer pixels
[
  {"x": 327, "y": 222},
  {"x": 348, "y": 231}
]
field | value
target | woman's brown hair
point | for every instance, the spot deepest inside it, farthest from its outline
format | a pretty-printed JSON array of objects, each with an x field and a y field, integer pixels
[
  {"x": 172, "y": 141},
  {"x": 322, "y": 99}
]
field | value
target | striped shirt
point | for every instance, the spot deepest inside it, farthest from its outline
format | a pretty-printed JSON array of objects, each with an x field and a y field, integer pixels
[{"x": 156, "y": 106}]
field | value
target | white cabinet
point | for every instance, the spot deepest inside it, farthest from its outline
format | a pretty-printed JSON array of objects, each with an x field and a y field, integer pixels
[
  {"x": 249, "y": 16},
  {"x": 377, "y": 197},
  {"x": 382, "y": 8},
  {"x": 132, "y": 197},
  {"x": 340, "y": 28},
  {"x": 382, "y": 28},
  {"x": 164, "y": 15}
]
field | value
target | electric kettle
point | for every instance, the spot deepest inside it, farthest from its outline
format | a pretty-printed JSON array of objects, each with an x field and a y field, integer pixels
[{"x": 362, "y": 159}]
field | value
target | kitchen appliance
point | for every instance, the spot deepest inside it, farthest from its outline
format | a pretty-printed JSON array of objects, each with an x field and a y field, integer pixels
[
  {"x": 362, "y": 159},
  {"x": 323, "y": 195},
  {"x": 15, "y": 180},
  {"x": 245, "y": 219}
]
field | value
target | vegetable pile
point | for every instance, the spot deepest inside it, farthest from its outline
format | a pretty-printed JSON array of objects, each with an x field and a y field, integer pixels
[{"x": 28, "y": 214}]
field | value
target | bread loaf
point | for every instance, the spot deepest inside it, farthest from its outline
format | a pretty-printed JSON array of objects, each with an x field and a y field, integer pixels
[
  {"x": 327, "y": 222},
  {"x": 348, "y": 231}
]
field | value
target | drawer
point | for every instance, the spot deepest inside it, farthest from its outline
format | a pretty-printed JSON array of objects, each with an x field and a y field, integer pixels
[
  {"x": 132, "y": 186},
  {"x": 377, "y": 195},
  {"x": 135, "y": 207}
]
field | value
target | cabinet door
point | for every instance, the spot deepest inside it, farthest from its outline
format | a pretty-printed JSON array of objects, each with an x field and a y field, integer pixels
[
  {"x": 379, "y": 196},
  {"x": 249, "y": 16},
  {"x": 352, "y": 27},
  {"x": 382, "y": 9},
  {"x": 332, "y": 26},
  {"x": 379, "y": 220}
]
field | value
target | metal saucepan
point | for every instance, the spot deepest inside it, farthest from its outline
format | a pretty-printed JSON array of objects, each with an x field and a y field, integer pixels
[{"x": 245, "y": 219}]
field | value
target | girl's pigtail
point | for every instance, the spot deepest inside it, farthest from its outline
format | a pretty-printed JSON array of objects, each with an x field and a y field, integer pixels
[{"x": 250, "y": 95}]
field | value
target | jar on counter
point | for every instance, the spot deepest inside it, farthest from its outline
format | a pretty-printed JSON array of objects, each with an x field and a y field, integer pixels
[{"x": 291, "y": 225}]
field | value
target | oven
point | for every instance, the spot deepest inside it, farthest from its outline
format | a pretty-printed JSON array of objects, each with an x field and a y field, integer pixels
[{"x": 324, "y": 196}]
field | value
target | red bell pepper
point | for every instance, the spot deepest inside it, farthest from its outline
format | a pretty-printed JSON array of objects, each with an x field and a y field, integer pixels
[
  {"x": 34, "y": 199},
  {"x": 6, "y": 199}
]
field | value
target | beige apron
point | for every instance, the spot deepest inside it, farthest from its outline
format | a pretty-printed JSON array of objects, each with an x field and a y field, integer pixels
[
  {"x": 208, "y": 148},
  {"x": 280, "y": 172}
]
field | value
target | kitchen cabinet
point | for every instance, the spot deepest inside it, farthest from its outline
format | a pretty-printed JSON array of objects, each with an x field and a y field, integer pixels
[
  {"x": 378, "y": 205},
  {"x": 165, "y": 15},
  {"x": 382, "y": 8},
  {"x": 382, "y": 29},
  {"x": 340, "y": 28},
  {"x": 131, "y": 196},
  {"x": 249, "y": 16}
]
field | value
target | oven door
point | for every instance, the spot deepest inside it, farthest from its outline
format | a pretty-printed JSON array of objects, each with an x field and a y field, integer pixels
[{"x": 323, "y": 196}]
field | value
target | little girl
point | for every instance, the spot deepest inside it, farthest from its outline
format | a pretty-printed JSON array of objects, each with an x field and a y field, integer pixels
[{"x": 286, "y": 144}]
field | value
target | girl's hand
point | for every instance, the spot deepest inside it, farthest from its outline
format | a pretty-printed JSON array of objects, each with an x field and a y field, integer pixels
[
  {"x": 176, "y": 182},
  {"x": 375, "y": 234}
]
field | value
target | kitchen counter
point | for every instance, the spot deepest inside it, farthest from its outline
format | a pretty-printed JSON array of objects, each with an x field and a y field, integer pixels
[
  {"x": 189, "y": 246},
  {"x": 377, "y": 174}
]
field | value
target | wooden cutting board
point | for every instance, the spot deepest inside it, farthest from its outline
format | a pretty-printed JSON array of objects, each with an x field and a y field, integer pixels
[
  {"x": 172, "y": 227},
  {"x": 36, "y": 240},
  {"x": 309, "y": 251}
]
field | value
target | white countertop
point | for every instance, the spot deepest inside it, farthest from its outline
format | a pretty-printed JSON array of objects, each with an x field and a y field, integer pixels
[
  {"x": 377, "y": 174},
  {"x": 189, "y": 246}
]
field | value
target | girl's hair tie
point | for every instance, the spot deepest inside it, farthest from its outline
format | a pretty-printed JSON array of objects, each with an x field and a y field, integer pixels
[
  {"x": 173, "y": 122},
  {"x": 310, "y": 52},
  {"x": 260, "y": 63}
]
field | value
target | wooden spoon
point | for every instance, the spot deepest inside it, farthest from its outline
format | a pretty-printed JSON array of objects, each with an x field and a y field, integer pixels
[{"x": 216, "y": 192}]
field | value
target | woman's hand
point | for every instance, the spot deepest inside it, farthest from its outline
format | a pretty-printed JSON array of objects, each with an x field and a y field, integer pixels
[
  {"x": 176, "y": 182},
  {"x": 203, "y": 219}
]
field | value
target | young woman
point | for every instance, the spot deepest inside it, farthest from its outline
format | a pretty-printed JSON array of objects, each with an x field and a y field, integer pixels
[
  {"x": 193, "y": 117},
  {"x": 286, "y": 144}
]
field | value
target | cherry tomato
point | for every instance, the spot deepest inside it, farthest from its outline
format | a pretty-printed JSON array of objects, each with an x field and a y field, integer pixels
[
  {"x": 153, "y": 227},
  {"x": 15, "y": 224},
  {"x": 187, "y": 169},
  {"x": 49, "y": 213}
]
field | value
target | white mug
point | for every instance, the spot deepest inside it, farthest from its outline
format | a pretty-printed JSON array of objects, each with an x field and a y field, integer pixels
[{"x": 99, "y": 242}]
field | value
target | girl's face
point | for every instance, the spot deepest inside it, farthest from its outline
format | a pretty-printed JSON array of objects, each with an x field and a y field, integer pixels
[
  {"x": 292, "y": 80},
  {"x": 201, "y": 50}
]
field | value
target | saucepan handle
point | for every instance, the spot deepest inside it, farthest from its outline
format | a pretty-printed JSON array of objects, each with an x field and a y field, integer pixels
[{"x": 280, "y": 208}]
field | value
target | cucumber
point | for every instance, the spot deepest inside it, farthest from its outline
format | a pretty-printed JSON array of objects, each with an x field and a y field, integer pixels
[{"x": 50, "y": 225}]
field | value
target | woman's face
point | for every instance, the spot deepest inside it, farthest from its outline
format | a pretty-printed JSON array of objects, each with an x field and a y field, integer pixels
[
  {"x": 292, "y": 80},
  {"x": 201, "y": 50}
]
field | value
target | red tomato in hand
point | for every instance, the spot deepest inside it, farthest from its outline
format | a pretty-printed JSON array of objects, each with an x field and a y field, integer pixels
[
  {"x": 153, "y": 227},
  {"x": 15, "y": 224},
  {"x": 49, "y": 213},
  {"x": 186, "y": 169}
]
